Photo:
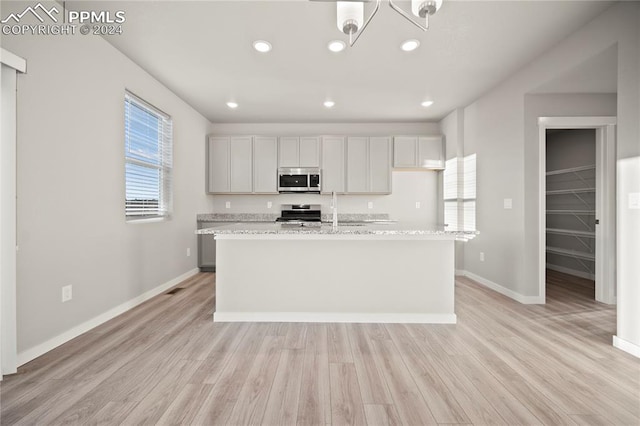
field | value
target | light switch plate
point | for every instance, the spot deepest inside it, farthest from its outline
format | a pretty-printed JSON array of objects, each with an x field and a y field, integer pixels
[
  {"x": 227, "y": 205},
  {"x": 417, "y": 204},
  {"x": 269, "y": 204},
  {"x": 634, "y": 200},
  {"x": 370, "y": 205},
  {"x": 508, "y": 203}
]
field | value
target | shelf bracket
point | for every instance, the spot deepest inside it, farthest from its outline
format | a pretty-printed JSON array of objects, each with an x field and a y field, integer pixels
[{"x": 583, "y": 222}]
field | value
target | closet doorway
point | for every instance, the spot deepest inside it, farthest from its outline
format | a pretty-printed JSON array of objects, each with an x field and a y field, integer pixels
[
  {"x": 577, "y": 200},
  {"x": 571, "y": 212}
]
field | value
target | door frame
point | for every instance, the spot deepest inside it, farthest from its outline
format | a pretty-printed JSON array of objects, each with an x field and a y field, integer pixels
[
  {"x": 605, "y": 128},
  {"x": 11, "y": 66}
]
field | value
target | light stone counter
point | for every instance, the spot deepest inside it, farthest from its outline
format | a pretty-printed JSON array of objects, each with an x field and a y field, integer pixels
[{"x": 373, "y": 230}]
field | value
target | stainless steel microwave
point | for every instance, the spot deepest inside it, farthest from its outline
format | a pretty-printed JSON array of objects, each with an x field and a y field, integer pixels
[{"x": 305, "y": 179}]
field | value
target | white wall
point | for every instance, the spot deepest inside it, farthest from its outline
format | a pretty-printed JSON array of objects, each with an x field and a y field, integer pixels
[
  {"x": 71, "y": 224},
  {"x": 408, "y": 186},
  {"x": 501, "y": 128}
]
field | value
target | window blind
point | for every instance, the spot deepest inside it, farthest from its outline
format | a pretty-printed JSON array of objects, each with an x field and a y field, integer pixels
[
  {"x": 450, "y": 194},
  {"x": 148, "y": 159},
  {"x": 469, "y": 193}
]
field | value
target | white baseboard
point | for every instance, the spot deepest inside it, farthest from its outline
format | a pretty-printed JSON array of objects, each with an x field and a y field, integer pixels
[
  {"x": 42, "y": 348},
  {"x": 527, "y": 300},
  {"x": 570, "y": 271},
  {"x": 626, "y": 346},
  {"x": 389, "y": 318}
]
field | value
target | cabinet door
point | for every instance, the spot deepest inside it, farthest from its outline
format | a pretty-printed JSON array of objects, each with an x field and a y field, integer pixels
[
  {"x": 207, "y": 246},
  {"x": 357, "y": 164},
  {"x": 288, "y": 154},
  {"x": 333, "y": 164},
  {"x": 241, "y": 163},
  {"x": 218, "y": 165},
  {"x": 431, "y": 152},
  {"x": 405, "y": 151},
  {"x": 309, "y": 152},
  {"x": 380, "y": 165},
  {"x": 265, "y": 164}
]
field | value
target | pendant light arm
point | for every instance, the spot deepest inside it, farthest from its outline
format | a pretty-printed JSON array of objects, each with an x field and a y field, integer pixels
[
  {"x": 408, "y": 18},
  {"x": 365, "y": 24}
]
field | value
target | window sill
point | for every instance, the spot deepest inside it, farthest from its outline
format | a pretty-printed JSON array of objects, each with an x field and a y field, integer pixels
[{"x": 147, "y": 220}]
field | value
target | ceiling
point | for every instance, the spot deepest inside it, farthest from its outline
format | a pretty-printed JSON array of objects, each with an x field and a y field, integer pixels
[{"x": 202, "y": 51}]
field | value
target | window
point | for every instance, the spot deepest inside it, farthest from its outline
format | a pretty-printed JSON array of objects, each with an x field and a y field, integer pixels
[
  {"x": 450, "y": 192},
  {"x": 148, "y": 160},
  {"x": 459, "y": 193},
  {"x": 469, "y": 193}
]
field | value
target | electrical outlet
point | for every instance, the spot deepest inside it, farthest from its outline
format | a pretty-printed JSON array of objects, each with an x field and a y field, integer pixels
[
  {"x": 370, "y": 205},
  {"x": 227, "y": 205},
  {"x": 188, "y": 251},
  {"x": 417, "y": 204},
  {"x": 269, "y": 204},
  {"x": 67, "y": 293},
  {"x": 481, "y": 256},
  {"x": 508, "y": 203}
]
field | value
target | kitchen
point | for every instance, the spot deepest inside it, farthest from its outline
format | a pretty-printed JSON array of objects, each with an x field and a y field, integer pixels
[
  {"x": 490, "y": 72},
  {"x": 350, "y": 165}
]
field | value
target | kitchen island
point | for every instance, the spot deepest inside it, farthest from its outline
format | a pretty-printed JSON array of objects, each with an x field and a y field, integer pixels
[{"x": 393, "y": 273}]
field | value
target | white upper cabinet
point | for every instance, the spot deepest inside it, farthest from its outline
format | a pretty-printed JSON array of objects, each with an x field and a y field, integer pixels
[
  {"x": 265, "y": 164},
  {"x": 425, "y": 152},
  {"x": 380, "y": 165},
  {"x": 299, "y": 151},
  {"x": 333, "y": 164},
  {"x": 218, "y": 165},
  {"x": 289, "y": 151},
  {"x": 369, "y": 165},
  {"x": 230, "y": 164},
  {"x": 431, "y": 152},
  {"x": 357, "y": 164},
  {"x": 405, "y": 151},
  {"x": 310, "y": 152},
  {"x": 240, "y": 149}
]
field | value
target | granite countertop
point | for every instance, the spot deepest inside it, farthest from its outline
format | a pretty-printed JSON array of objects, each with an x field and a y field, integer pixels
[
  {"x": 271, "y": 217},
  {"x": 344, "y": 229}
]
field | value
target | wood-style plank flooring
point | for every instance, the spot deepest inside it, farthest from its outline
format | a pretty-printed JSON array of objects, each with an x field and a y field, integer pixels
[{"x": 165, "y": 362}]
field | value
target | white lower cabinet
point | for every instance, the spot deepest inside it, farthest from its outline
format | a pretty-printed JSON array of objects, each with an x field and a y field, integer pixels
[{"x": 368, "y": 165}]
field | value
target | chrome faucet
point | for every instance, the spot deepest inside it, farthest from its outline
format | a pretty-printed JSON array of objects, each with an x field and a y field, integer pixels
[{"x": 334, "y": 209}]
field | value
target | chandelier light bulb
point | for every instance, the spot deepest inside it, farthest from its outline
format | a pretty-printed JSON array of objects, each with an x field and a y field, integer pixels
[
  {"x": 350, "y": 16},
  {"x": 424, "y": 8}
]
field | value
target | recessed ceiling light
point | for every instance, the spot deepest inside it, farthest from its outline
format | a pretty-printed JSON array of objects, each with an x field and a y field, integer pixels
[
  {"x": 336, "y": 46},
  {"x": 329, "y": 104},
  {"x": 427, "y": 103},
  {"x": 409, "y": 45},
  {"x": 232, "y": 105},
  {"x": 262, "y": 46}
]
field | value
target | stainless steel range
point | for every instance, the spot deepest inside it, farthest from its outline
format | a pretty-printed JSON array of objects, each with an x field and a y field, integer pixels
[{"x": 300, "y": 215}]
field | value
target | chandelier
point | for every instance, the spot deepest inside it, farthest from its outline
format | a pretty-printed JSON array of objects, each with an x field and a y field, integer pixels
[{"x": 350, "y": 15}]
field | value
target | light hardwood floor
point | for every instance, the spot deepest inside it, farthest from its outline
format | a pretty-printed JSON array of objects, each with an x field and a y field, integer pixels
[{"x": 166, "y": 362}]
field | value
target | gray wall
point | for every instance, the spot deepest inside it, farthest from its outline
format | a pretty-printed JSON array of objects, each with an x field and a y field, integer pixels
[
  {"x": 501, "y": 127},
  {"x": 71, "y": 224},
  {"x": 408, "y": 186}
]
